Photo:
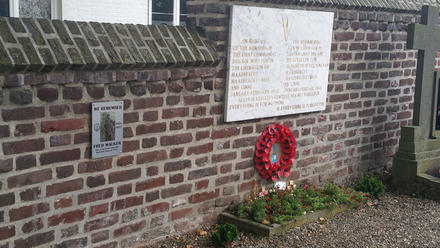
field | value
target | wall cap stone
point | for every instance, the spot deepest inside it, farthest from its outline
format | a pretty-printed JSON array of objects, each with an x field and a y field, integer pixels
[
  {"x": 410, "y": 6},
  {"x": 43, "y": 45}
]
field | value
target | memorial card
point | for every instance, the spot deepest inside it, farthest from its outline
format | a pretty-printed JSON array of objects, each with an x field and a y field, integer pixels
[
  {"x": 107, "y": 122},
  {"x": 278, "y": 62}
]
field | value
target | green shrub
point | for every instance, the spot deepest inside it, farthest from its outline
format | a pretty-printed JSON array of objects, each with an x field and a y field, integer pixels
[
  {"x": 371, "y": 185},
  {"x": 224, "y": 234}
]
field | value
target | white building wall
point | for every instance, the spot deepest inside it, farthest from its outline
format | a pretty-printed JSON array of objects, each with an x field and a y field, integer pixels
[{"x": 113, "y": 11}]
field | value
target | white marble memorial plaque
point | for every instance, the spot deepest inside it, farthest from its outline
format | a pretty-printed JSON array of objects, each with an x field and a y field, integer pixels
[
  {"x": 278, "y": 62},
  {"x": 107, "y": 122}
]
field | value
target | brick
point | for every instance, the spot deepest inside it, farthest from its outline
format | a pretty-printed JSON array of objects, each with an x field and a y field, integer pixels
[
  {"x": 172, "y": 100},
  {"x": 175, "y": 87},
  {"x": 151, "y": 116},
  {"x": 216, "y": 158},
  {"x": 6, "y": 165},
  {"x": 175, "y": 113},
  {"x": 199, "y": 123},
  {"x": 152, "y": 128},
  {"x": 113, "y": 244},
  {"x": 30, "y": 194},
  {"x": 7, "y": 199},
  {"x": 156, "y": 87},
  {"x": 100, "y": 236},
  {"x": 202, "y": 135},
  {"x": 130, "y": 145},
  {"x": 196, "y": 99},
  {"x": 66, "y": 218},
  {"x": 178, "y": 214},
  {"x": 47, "y": 94},
  {"x": 149, "y": 157},
  {"x": 178, "y": 178},
  {"x": 157, "y": 208},
  {"x": 227, "y": 179},
  {"x": 4, "y": 131},
  {"x": 226, "y": 168},
  {"x": 98, "y": 209},
  {"x": 70, "y": 231},
  {"x": 28, "y": 211},
  {"x": 225, "y": 133},
  {"x": 79, "y": 242},
  {"x": 24, "y": 129},
  {"x": 21, "y": 96},
  {"x": 64, "y": 187},
  {"x": 25, "y": 162},
  {"x": 204, "y": 196},
  {"x": 151, "y": 196},
  {"x": 101, "y": 223},
  {"x": 176, "y": 125},
  {"x": 155, "y": 75},
  {"x": 60, "y": 156},
  {"x": 59, "y": 140},
  {"x": 95, "y": 92},
  {"x": 95, "y": 181},
  {"x": 193, "y": 85},
  {"x": 306, "y": 162},
  {"x": 176, "y": 139},
  {"x": 129, "y": 229},
  {"x": 127, "y": 203},
  {"x": 150, "y": 102},
  {"x": 200, "y": 149},
  {"x": 117, "y": 90},
  {"x": 72, "y": 93},
  {"x": 7, "y": 232},
  {"x": 150, "y": 184},
  {"x": 57, "y": 110},
  {"x": 62, "y": 125},
  {"x": 245, "y": 142},
  {"x": 124, "y": 189},
  {"x": 29, "y": 178},
  {"x": 121, "y": 176},
  {"x": 200, "y": 173},
  {"x": 339, "y": 97},
  {"x": 95, "y": 196},
  {"x": 81, "y": 108},
  {"x": 33, "y": 225},
  {"x": 95, "y": 166},
  {"x": 179, "y": 165},
  {"x": 64, "y": 171},
  {"x": 125, "y": 161},
  {"x": 245, "y": 186},
  {"x": 63, "y": 203},
  {"x": 404, "y": 115},
  {"x": 17, "y": 147},
  {"x": 35, "y": 240},
  {"x": 178, "y": 190}
]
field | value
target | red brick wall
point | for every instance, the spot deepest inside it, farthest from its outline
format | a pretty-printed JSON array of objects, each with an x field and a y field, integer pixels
[
  {"x": 370, "y": 90},
  {"x": 181, "y": 163}
]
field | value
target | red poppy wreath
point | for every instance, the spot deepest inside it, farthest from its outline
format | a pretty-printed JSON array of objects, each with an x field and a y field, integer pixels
[{"x": 275, "y": 152}]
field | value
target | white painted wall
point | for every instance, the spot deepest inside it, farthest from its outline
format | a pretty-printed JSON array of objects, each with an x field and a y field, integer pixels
[{"x": 113, "y": 11}]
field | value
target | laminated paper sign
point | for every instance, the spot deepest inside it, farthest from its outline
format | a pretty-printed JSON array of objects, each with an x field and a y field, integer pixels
[
  {"x": 278, "y": 62},
  {"x": 107, "y": 122}
]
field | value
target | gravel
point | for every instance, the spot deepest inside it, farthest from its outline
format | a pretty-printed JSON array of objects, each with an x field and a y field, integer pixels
[{"x": 394, "y": 221}]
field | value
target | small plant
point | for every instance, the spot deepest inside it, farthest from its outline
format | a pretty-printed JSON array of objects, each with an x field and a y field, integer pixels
[
  {"x": 371, "y": 185},
  {"x": 225, "y": 234},
  {"x": 282, "y": 205}
]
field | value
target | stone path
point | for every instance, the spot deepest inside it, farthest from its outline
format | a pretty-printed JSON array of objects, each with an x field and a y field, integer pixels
[{"x": 396, "y": 221}]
